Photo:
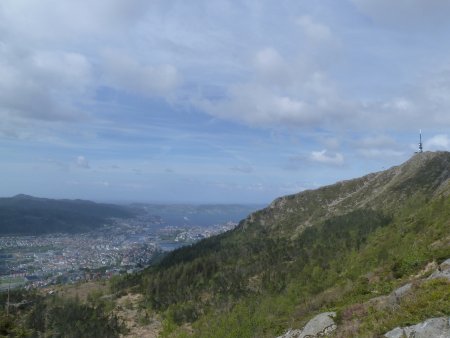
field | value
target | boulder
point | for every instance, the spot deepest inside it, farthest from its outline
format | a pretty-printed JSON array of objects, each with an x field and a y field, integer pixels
[
  {"x": 291, "y": 333},
  {"x": 445, "y": 265},
  {"x": 319, "y": 326},
  {"x": 401, "y": 291},
  {"x": 391, "y": 299},
  {"x": 434, "y": 327},
  {"x": 440, "y": 274}
]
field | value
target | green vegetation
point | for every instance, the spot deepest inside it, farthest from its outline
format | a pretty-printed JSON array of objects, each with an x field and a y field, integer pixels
[
  {"x": 32, "y": 315},
  {"x": 431, "y": 299},
  {"x": 330, "y": 284},
  {"x": 30, "y": 215},
  {"x": 268, "y": 264}
]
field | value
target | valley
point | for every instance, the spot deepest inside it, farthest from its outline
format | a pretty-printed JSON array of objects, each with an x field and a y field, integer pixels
[{"x": 120, "y": 246}]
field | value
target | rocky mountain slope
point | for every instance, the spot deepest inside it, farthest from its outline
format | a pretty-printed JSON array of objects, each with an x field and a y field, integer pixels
[{"x": 424, "y": 176}]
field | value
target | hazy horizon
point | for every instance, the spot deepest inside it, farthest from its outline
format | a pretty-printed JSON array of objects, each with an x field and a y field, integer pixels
[{"x": 150, "y": 202}]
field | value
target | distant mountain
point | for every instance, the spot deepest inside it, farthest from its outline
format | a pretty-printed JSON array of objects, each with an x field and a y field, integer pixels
[
  {"x": 319, "y": 250},
  {"x": 23, "y": 214}
]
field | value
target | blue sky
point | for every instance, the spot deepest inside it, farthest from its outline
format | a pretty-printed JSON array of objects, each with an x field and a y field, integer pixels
[{"x": 216, "y": 101}]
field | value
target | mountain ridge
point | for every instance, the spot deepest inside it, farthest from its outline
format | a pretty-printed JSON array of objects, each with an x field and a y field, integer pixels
[
  {"x": 24, "y": 214},
  {"x": 365, "y": 191}
]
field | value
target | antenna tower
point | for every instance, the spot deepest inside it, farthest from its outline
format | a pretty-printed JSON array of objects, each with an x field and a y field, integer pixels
[{"x": 420, "y": 141}]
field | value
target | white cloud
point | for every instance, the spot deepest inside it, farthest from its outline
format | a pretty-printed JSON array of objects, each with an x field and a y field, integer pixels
[
  {"x": 254, "y": 104},
  {"x": 82, "y": 162},
  {"x": 50, "y": 58},
  {"x": 49, "y": 21},
  {"x": 298, "y": 87},
  {"x": 124, "y": 72},
  {"x": 425, "y": 104},
  {"x": 398, "y": 104},
  {"x": 326, "y": 158},
  {"x": 268, "y": 59},
  {"x": 55, "y": 56},
  {"x": 271, "y": 67},
  {"x": 71, "y": 70},
  {"x": 42, "y": 85},
  {"x": 438, "y": 142},
  {"x": 50, "y": 77},
  {"x": 280, "y": 92},
  {"x": 314, "y": 30},
  {"x": 301, "y": 94}
]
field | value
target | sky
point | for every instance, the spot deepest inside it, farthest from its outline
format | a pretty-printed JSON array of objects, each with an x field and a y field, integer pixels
[{"x": 216, "y": 101}]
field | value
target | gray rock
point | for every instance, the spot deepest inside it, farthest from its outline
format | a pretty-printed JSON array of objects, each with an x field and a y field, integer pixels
[
  {"x": 440, "y": 274},
  {"x": 320, "y": 326},
  {"x": 291, "y": 333},
  {"x": 443, "y": 271},
  {"x": 391, "y": 299},
  {"x": 431, "y": 328},
  {"x": 401, "y": 291},
  {"x": 395, "y": 333},
  {"x": 445, "y": 265}
]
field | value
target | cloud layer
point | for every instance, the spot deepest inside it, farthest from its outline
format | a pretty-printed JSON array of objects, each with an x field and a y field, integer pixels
[
  {"x": 54, "y": 70},
  {"x": 217, "y": 98}
]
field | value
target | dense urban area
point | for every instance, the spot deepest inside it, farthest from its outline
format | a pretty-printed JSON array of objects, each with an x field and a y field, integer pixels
[{"x": 124, "y": 246}]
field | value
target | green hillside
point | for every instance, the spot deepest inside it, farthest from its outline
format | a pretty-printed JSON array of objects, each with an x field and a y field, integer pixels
[
  {"x": 351, "y": 240},
  {"x": 24, "y": 214}
]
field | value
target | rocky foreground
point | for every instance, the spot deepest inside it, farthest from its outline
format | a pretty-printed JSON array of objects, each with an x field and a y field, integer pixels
[{"x": 324, "y": 324}]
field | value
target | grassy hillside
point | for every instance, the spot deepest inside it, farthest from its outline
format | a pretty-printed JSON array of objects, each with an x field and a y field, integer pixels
[
  {"x": 351, "y": 240},
  {"x": 24, "y": 214}
]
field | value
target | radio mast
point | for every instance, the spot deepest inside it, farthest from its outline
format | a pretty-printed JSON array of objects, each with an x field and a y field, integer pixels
[{"x": 420, "y": 142}]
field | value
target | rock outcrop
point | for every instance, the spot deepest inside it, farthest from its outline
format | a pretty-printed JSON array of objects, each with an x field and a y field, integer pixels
[
  {"x": 319, "y": 326},
  {"x": 434, "y": 327},
  {"x": 401, "y": 291},
  {"x": 443, "y": 271}
]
